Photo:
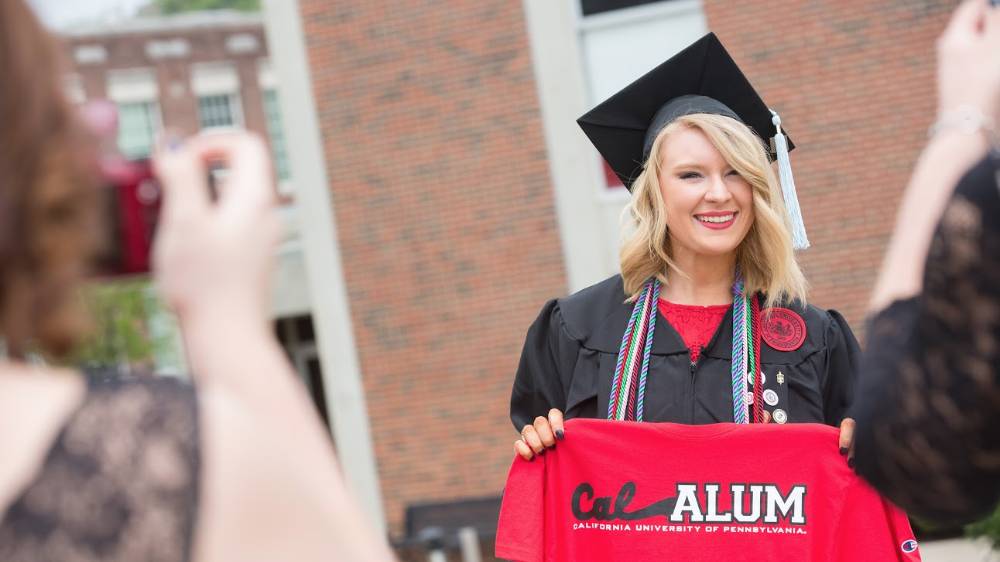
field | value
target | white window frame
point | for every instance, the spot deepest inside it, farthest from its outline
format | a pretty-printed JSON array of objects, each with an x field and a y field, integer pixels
[
  {"x": 267, "y": 82},
  {"x": 235, "y": 110},
  {"x": 90, "y": 54},
  {"x": 133, "y": 85},
  {"x": 137, "y": 85},
  {"x": 218, "y": 79},
  {"x": 162, "y": 49},
  {"x": 156, "y": 125},
  {"x": 242, "y": 44}
]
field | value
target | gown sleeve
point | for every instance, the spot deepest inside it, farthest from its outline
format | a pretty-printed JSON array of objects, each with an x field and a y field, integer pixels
[
  {"x": 843, "y": 357},
  {"x": 928, "y": 406},
  {"x": 545, "y": 369}
]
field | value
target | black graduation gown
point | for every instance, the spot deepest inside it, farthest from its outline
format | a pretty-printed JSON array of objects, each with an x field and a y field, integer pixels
[{"x": 571, "y": 350}]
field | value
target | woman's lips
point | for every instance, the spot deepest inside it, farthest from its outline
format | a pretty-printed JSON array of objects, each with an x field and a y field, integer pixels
[{"x": 716, "y": 221}]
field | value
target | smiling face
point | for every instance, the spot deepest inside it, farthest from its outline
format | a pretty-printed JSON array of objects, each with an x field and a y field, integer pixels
[{"x": 709, "y": 206}]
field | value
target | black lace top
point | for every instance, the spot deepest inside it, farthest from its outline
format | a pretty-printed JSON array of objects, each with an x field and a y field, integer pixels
[
  {"x": 928, "y": 405},
  {"x": 120, "y": 483}
]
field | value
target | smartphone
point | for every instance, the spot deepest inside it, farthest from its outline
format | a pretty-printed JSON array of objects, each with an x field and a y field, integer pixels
[{"x": 130, "y": 201}]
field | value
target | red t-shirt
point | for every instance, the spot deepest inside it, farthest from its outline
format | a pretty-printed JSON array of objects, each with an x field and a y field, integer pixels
[{"x": 661, "y": 491}]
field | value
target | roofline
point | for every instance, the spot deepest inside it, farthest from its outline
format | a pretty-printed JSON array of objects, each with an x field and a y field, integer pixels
[{"x": 213, "y": 19}]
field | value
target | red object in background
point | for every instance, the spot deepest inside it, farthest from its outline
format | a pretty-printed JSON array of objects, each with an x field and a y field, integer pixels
[
  {"x": 130, "y": 198},
  {"x": 610, "y": 177},
  {"x": 131, "y": 207}
]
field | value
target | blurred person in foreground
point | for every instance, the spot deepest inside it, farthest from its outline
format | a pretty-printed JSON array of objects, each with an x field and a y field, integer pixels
[
  {"x": 145, "y": 468},
  {"x": 928, "y": 404}
]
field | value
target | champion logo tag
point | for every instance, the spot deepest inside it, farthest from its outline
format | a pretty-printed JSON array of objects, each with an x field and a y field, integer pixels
[
  {"x": 908, "y": 546},
  {"x": 783, "y": 329}
]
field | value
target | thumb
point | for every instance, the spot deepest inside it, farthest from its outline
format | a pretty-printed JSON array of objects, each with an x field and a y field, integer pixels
[{"x": 966, "y": 20}]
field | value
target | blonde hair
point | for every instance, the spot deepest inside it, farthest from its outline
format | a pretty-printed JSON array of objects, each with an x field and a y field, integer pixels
[{"x": 765, "y": 257}]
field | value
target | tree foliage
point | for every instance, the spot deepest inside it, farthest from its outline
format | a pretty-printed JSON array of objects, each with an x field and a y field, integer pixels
[
  {"x": 123, "y": 336},
  {"x": 177, "y": 6},
  {"x": 988, "y": 529}
]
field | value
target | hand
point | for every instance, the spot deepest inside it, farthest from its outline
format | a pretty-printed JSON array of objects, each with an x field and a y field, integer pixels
[
  {"x": 216, "y": 256},
  {"x": 847, "y": 440},
  {"x": 968, "y": 61},
  {"x": 541, "y": 435}
]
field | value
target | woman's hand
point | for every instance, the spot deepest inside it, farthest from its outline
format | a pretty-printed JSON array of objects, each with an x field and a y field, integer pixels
[
  {"x": 541, "y": 435},
  {"x": 968, "y": 60},
  {"x": 214, "y": 258},
  {"x": 213, "y": 264},
  {"x": 968, "y": 94},
  {"x": 847, "y": 440}
]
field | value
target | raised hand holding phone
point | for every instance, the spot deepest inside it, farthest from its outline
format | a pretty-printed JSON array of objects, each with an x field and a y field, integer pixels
[
  {"x": 212, "y": 260},
  {"x": 216, "y": 255}
]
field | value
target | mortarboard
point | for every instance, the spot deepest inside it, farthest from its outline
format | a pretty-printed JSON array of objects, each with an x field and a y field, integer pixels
[{"x": 702, "y": 78}]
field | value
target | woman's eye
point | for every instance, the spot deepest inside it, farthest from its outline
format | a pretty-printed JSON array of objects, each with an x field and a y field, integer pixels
[
  {"x": 732, "y": 173},
  {"x": 689, "y": 175}
]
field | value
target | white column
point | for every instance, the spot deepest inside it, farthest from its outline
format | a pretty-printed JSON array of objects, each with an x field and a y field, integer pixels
[
  {"x": 328, "y": 291},
  {"x": 580, "y": 61},
  {"x": 562, "y": 98}
]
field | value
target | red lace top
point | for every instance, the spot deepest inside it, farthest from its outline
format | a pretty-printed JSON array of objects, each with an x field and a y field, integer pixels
[{"x": 696, "y": 324}]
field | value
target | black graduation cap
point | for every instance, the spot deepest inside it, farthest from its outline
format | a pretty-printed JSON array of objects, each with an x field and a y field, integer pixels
[{"x": 702, "y": 78}]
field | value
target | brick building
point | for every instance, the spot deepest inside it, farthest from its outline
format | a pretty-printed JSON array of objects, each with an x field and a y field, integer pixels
[
  {"x": 443, "y": 191},
  {"x": 187, "y": 72}
]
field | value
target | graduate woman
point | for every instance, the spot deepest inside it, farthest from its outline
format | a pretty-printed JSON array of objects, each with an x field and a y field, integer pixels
[{"x": 708, "y": 320}]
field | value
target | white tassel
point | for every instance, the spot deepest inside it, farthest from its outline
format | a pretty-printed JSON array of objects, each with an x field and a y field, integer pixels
[{"x": 799, "y": 239}]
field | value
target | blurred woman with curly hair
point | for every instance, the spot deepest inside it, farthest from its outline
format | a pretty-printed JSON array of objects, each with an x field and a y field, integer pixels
[{"x": 147, "y": 468}]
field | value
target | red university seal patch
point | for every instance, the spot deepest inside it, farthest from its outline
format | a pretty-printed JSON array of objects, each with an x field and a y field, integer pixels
[{"x": 783, "y": 330}]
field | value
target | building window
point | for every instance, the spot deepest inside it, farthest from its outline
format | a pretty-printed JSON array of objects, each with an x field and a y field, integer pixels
[
  {"x": 217, "y": 110},
  {"x": 299, "y": 342},
  {"x": 618, "y": 48},
  {"x": 591, "y": 7},
  {"x": 217, "y": 87},
  {"x": 135, "y": 92},
  {"x": 277, "y": 133},
  {"x": 136, "y": 128}
]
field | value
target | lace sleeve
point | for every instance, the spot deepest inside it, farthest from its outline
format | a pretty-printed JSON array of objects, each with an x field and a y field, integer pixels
[
  {"x": 928, "y": 405},
  {"x": 119, "y": 483}
]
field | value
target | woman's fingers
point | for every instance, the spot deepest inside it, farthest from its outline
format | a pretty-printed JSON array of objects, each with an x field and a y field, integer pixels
[
  {"x": 540, "y": 435},
  {"x": 544, "y": 432},
  {"x": 247, "y": 163},
  {"x": 182, "y": 176},
  {"x": 556, "y": 422},
  {"x": 183, "y": 169},
  {"x": 530, "y": 436},
  {"x": 522, "y": 450},
  {"x": 965, "y": 19},
  {"x": 847, "y": 440}
]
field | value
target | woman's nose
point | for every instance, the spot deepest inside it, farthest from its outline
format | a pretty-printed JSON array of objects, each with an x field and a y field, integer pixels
[{"x": 718, "y": 191}]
